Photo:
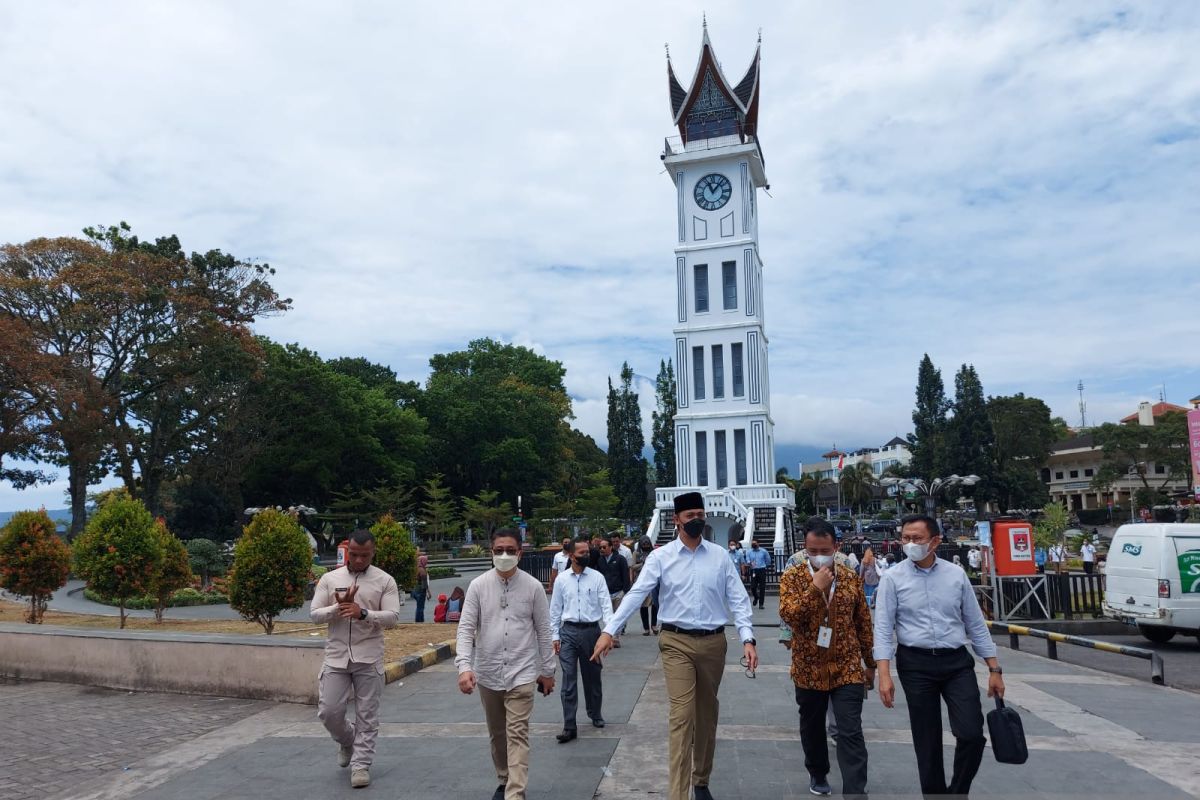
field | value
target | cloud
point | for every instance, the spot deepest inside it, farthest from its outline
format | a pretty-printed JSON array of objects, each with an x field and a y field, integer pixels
[{"x": 1008, "y": 185}]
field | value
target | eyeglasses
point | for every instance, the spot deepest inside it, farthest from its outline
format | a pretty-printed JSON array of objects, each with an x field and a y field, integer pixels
[
  {"x": 911, "y": 540},
  {"x": 746, "y": 667},
  {"x": 505, "y": 551}
]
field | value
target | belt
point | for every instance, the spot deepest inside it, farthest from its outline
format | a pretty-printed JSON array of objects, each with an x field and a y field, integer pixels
[
  {"x": 581, "y": 624},
  {"x": 669, "y": 628},
  {"x": 935, "y": 651}
]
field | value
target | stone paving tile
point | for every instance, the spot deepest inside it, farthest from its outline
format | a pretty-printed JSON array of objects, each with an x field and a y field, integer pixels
[{"x": 57, "y": 736}]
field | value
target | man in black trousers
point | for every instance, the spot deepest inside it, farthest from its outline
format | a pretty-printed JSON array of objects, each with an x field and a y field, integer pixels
[
  {"x": 926, "y": 612},
  {"x": 615, "y": 569},
  {"x": 579, "y": 608}
]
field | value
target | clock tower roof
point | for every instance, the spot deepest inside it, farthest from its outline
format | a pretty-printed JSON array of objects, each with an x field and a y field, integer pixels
[{"x": 714, "y": 106}]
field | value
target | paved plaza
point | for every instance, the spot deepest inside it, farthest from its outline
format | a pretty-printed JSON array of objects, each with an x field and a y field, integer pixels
[{"x": 1090, "y": 734}]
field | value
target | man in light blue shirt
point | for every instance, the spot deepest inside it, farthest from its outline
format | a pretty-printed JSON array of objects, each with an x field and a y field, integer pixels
[
  {"x": 925, "y": 614},
  {"x": 696, "y": 584},
  {"x": 579, "y": 608},
  {"x": 758, "y": 559}
]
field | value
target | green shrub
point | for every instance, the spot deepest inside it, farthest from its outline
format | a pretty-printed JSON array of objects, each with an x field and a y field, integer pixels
[
  {"x": 205, "y": 559},
  {"x": 317, "y": 572},
  {"x": 180, "y": 598},
  {"x": 34, "y": 562},
  {"x": 472, "y": 551},
  {"x": 271, "y": 565},
  {"x": 394, "y": 551},
  {"x": 173, "y": 572},
  {"x": 118, "y": 552},
  {"x": 441, "y": 572}
]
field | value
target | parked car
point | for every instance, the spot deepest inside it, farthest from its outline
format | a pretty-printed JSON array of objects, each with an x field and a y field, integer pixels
[{"x": 1153, "y": 579}]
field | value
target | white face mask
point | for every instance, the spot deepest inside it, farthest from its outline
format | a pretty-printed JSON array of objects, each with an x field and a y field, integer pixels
[
  {"x": 820, "y": 562},
  {"x": 505, "y": 562},
  {"x": 916, "y": 550}
]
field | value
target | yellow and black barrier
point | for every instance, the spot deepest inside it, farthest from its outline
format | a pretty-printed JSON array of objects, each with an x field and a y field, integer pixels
[{"x": 1015, "y": 632}]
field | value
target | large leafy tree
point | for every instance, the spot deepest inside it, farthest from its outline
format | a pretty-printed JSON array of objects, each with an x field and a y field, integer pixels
[
  {"x": 486, "y": 512},
  {"x": 497, "y": 418},
  {"x": 626, "y": 464},
  {"x": 928, "y": 439},
  {"x": 439, "y": 513},
  {"x": 858, "y": 484},
  {"x": 1023, "y": 434},
  {"x": 1139, "y": 450},
  {"x": 969, "y": 438},
  {"x": 662, "y": 437}
]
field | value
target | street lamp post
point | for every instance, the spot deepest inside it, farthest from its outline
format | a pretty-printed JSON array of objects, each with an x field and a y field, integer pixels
[{"x": 929, "y": 490}]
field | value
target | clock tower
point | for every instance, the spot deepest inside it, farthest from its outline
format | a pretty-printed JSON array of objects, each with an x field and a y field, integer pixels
[{"x": 724, "y": 433}]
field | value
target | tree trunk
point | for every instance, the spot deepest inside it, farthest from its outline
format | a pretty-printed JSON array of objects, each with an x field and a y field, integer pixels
[
  {"x": 158, "y": 610},
  {"x": 121, "y": 606},
  {"x": 270, "y": 625},
  {"x": 77, "y": 483}
]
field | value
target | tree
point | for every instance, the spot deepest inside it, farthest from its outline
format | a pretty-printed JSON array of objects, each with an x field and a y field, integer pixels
[
  {"x": 118, "y": 552},
  {"x": 205, "y": 558},
  {"x": 272, "y": 562},
  {"x": 34, "y": 562},
  {"x": 378, "y": 376},
  {"x": 808, "y": 488},
  {"x": 347, "y": 508},
  {"x": 597, "y": 505},
  {"x": 394, "y": 551},
  {"x": 1051, "y": 529},
  {"x": 173, "y": 571},
  {"x": 486, "y": 512},
  {"x": 626, "y": 465},
  {"x": 928, "y": 439},
  {"x": 662, "y": 437},
  {"x": 1022, "y": 434},
  {"x": 497, "y": 418},
  {"x": 551, "y": 513},
  {"x": 969, "y": 437},
  {"x": 1137, "y": 450},
  {"x": 21, "y": 422},
  {"x": 858, "y": 484},
  {"x": 439, "y": 516}
]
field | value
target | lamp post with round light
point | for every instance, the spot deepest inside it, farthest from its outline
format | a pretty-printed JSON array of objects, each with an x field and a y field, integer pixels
[{"x": 930, "y": 490}]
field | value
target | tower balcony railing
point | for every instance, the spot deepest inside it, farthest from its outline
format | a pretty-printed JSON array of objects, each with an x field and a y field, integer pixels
[
  {"x": 676, "y": 146},
  {"x": 769, "y": 495}
]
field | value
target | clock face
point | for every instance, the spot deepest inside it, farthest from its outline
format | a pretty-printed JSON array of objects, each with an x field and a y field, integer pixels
[{"x": 712, "y": 191}]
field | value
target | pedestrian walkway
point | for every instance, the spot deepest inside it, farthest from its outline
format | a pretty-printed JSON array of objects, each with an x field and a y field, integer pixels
[{"x": 1090, "y": 734}]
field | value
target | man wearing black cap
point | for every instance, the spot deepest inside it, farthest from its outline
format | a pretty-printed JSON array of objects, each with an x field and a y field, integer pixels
[{"x": 697, "y": 586}]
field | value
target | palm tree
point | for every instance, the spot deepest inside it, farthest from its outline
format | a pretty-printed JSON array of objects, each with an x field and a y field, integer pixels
[
  {"x": 857, "y": 484},
  {"x": 807, "y": 488}
]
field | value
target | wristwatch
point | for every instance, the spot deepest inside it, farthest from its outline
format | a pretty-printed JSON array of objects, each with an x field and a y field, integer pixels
[
  {"x": 751, "y": 641},
  {"x": 996, "y": 670},
  {"x": 362, "y": 613}
]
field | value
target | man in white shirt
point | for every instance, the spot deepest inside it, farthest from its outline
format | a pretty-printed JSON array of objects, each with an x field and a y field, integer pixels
[
  {"x": 1053, "y": 557},
  {"x": 504, "y": 647},
  {"x": 579, "y": 607},
  {"x": 974, "y": 559},
  {"x": 1088, "y": 553},
  {"x": 562, "y": 561}
]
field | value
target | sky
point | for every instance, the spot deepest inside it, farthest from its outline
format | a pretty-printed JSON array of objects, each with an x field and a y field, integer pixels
[{"x": 1006, "y": 184}]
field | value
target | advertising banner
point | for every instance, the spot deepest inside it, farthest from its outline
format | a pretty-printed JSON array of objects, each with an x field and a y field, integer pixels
[
  {"x": 1022, "y": 544},
  {"x": 1189, "y": 571},
  {"x": 1193, "y": 421}
]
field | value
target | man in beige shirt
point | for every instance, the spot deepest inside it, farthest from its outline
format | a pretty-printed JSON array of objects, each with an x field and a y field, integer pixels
[
  {"x": 505, "y": 647},
  {"x": 358, "y": 601}
]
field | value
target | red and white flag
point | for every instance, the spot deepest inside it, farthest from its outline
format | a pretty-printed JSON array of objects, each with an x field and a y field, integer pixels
[{"x": 841, "y": 460}]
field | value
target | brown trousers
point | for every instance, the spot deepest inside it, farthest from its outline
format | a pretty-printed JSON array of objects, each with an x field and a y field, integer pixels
[
  {"x": 507, "y": 715},
  {"x": 692, "y": 666}
]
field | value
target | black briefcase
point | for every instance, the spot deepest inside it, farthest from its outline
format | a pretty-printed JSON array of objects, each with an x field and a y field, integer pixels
[{"x": 1008, "y": 734}]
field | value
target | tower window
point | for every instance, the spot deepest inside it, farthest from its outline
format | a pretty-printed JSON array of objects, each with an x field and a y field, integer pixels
[
  {"x": 698, "y": 373},
  {"x": 701, "y": 458},
  {"x": 701, "y": 271},
  {"x": 722, "y": 459},
  {"x": 718, "y": 364},
  {"x": 729, "y": 284},
  {"x": 739, "y": 456},
  {"x": 739, "y": 383}
]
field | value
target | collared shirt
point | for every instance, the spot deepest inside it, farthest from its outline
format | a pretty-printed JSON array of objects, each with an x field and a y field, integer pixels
[
  {"x": 931, "y": 608},
  {"x": 627, "y": 554},
  {"x": 758, "y": 558},
  {"x": 360, "y": 641},
  {"x": 803, "y": 605},
  {"x": 504, "y": 631},
  {"x": 797, "y": 559},
  {"x": 615, "y": 570},
  {"x": 562, "y": 562},
  {"x": 694, "y": 588},
  {"x": 737, "y": 556},
  {"x": 1088, "y": 552},
  {"x": 579, "y": 597}
]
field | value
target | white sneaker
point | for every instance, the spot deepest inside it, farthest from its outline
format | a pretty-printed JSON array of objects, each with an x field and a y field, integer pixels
[
  {"x": 360, "y": 778},
  {"x": 345, "y": 752}
]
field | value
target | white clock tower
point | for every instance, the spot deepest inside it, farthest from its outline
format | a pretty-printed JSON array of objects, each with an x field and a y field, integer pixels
[{"x": 724, "y": 436}]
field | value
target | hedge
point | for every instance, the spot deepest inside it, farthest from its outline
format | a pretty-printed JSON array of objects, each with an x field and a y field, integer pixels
[{"x": 179, "y": 598}]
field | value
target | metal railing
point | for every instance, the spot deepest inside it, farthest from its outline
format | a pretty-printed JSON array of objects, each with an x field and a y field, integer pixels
[{"x": 1015, "y": 632}]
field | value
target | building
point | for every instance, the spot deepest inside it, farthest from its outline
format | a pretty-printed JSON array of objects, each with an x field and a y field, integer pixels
[
  {"x": 894, "y": 453},
  {"x": 724, "y": 433},
  {"x": 1075, "y": 461}
]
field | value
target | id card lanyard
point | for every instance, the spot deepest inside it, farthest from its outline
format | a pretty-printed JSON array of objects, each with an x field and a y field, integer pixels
[{"x": 825, "y": 632}]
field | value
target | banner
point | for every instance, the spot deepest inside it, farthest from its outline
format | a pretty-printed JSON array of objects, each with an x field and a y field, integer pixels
[
  {"x": 1189, "y": 571},
  {"x": 1193, "y": 421},
  {"x": 1021, "y": 544}
]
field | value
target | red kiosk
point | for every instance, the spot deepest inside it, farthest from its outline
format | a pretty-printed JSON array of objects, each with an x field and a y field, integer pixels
[{"x": 1010, "y": 568}]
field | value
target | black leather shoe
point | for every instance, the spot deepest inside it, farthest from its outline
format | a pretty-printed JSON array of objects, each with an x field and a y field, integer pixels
[
  {"x": 567, "y": 735},
  {"x": 701, "y": 793},
  {"x": 598, "y": 722},
  {"x": 499, "y": 793}
]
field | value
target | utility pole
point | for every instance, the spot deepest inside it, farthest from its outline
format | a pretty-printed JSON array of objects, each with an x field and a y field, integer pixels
[{"x": 1082, "y": 407}]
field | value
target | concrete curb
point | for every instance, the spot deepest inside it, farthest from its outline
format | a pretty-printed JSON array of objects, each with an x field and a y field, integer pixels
[{"x": 395, "y": 670}]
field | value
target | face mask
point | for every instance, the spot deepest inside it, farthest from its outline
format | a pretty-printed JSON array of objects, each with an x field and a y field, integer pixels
[
  {"x": 582, "y": 561},
  {"x": 694, "y": 528},
  {"x": 916, "y": 550},
  {"x": 505, "y": 562},
  {"x": 820, "y": 562}
]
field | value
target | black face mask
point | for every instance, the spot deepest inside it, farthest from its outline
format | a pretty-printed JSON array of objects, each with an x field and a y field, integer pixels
[
  {"x": 583, "y": 561},
  {"x": 694, "y": 528}
]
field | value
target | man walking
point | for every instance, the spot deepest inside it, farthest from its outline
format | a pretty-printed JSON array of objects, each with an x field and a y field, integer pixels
[
  {"x": 926, "y": 612},
  {"x": 562, "y": 561},
  {"x": 696, "y": 582},
  {"x": 504, "y": 647},
  {"x": 358, "y": 601},
  {"x": 579, "y": 607},
  {"x": 1088, "y": 554},
  {"x": 758, "y": 560},
  {"x": 616, "y": 574},
  {"x": 831, "y": 640}
]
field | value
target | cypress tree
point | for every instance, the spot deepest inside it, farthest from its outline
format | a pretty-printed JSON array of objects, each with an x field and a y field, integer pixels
[
  {"x": 662, "y": 437},
  {"x": 626, "y": 465},
  {"x": 928, "y": 439},
  {"x": 970, "y": 440}
]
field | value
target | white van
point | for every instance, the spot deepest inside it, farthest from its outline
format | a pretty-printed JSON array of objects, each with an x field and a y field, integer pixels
[{"x": 1153, "y": 579}]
